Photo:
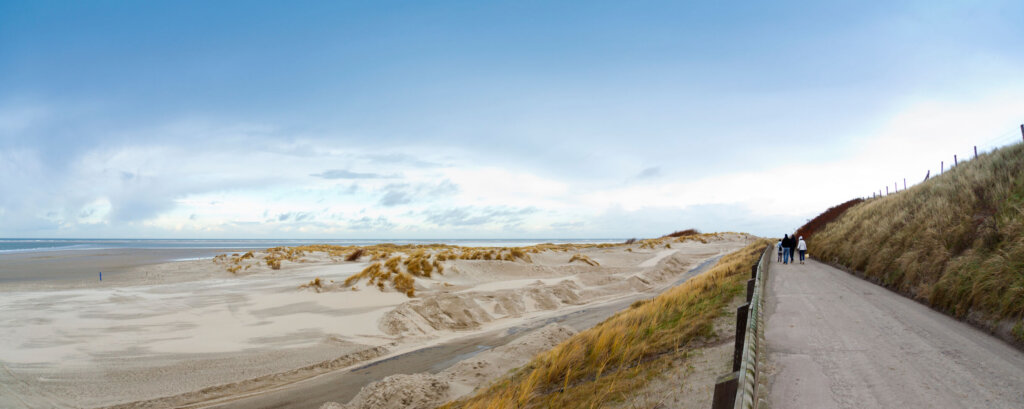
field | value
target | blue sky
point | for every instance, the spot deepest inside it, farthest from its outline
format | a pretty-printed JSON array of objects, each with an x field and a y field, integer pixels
[{"x": 477, "y": 119}]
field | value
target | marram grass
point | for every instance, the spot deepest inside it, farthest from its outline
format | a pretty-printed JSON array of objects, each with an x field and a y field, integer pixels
[
  {"x": 607, "y": 362},
  {"x": 955, "y": 241}
]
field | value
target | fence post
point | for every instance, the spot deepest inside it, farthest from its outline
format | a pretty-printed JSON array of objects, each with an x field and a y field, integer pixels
[
  {"x": 975, "y": 151},
  {"x": 1022, "y": 131},
  {"x": 725, "y": 391},
  {"x": 741, "y": 332},
  {"x": 955, "y": 162},
  {"x": 750, "y": 289},
  {"x": 887, "y": 190},
  {"x": 926, "y": 175},
  {"x": 904, "y": 183},
  {"x": 942, "y": 166}
]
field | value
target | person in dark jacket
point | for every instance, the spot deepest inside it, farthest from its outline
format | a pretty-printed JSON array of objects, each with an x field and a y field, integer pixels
[{"x": 787, "y": 248}]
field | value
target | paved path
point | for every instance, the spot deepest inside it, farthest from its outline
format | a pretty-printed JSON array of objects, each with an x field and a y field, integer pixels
[{"x": 837, "y": 341}]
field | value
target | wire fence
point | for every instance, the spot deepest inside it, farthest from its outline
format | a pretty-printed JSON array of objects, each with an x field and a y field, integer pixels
[{"x": 964, "y": 154}]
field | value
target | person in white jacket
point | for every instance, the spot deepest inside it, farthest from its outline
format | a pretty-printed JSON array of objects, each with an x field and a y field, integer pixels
[{"x": 802, "y": 247}]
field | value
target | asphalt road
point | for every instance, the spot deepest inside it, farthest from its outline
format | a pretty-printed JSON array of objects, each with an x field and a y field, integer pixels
[{"x": 837, "y": 341}]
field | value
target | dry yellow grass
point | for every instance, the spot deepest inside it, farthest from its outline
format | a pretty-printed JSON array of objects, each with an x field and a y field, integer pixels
[
  {"x": 583, "y": 258},
  {"x": 619, "y": 355},
  {"x": 678, "y": 237},
  {"x": 317, "y": 284},
  {"x": 442, "y": 252},
  {"x": 399, "y": 271},
  {"x": 955, "y": 241},
  {"x": 398, "y": 265}
]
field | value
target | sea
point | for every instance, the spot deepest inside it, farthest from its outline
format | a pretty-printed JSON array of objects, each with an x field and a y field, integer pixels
[{"x": 14, "y": 245}]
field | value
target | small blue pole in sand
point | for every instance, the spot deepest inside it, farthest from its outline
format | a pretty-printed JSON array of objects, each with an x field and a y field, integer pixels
[{"x": 101, "y": 276}]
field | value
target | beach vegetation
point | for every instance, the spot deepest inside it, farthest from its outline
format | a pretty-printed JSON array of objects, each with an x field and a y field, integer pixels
[
  {"x": 683, "y": 233},
  {"x": 609, "y": 361},
  {"x": 355, "y": 255},
  {"x": 316, "y": 284},
  {"x": 583, "y": 258},
  {"x": 828, "y": 216},
  {"x": 416, "y": 260},
  {"x": 954, "y": 241}
]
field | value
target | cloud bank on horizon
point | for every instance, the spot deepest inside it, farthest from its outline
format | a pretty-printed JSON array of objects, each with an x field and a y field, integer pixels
[{"x": 496, "y": 120}]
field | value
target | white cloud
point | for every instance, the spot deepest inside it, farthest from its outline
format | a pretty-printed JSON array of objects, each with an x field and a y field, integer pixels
[{"x": 270, "y": 188}]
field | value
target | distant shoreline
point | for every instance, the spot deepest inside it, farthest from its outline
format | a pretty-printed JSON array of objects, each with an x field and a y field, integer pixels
[
  {"x": 22, "y": 245},
  {"x": 79, "y": 263}
]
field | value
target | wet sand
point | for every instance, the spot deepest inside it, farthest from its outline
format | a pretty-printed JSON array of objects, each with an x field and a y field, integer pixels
[{"x": 81, "y": 268}]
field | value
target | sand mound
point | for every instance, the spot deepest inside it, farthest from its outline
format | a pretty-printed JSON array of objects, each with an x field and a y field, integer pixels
[
  {"x": 424, "y": 390},
  {"x": 472, "y": 372},
  {"x": 416, "y": 391},
  {"x": 462, "y": 311}
]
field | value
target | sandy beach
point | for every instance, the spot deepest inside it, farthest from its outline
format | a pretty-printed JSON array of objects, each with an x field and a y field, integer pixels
[{"x": 189, "y": 332}]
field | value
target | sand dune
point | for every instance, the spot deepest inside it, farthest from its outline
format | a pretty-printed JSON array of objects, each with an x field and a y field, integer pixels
[
  {"x": 424, "y": 390},
  {"x": 187, "y": 332}
]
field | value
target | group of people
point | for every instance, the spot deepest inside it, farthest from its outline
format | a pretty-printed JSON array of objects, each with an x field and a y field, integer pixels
[{"x": 786, "y": 247}]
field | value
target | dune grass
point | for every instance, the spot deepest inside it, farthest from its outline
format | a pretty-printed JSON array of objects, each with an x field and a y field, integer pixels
[
  {"x": 397, "y": 266},
  {"x": 273, "y": 257},
  {"x": 584, "y": 259},
  {"x": 682, "y": 233},
  {"x": 607, "y": 362},
  {"x": 819, "y": 222},
  {"x": 955, "y": 241},
  {"x": 316, "y": 284}
]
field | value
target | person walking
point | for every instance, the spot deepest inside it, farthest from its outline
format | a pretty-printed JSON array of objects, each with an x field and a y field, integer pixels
[
  {"x": 787, "y": 244},
  {"x": 802, "y": 247},
  {"x": 778, "y": 245}
]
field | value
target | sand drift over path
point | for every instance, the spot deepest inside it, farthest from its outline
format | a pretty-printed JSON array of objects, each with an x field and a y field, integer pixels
[
  {"x": 837, "y": 341},
  {"x": 192, "y": 332}
]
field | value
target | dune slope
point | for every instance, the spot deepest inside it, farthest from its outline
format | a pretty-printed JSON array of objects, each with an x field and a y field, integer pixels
[{"x": 955, "y": 242}]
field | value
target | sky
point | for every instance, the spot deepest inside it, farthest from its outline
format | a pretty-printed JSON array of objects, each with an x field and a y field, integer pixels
[{"x": 486, "y": 119}]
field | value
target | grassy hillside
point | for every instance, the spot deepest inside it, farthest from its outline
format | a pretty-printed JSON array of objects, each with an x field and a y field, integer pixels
[
  {"x": 825, "y": 218},
  {"x": 955, "y": 241},
  {"x": 619, "y": 355}
]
